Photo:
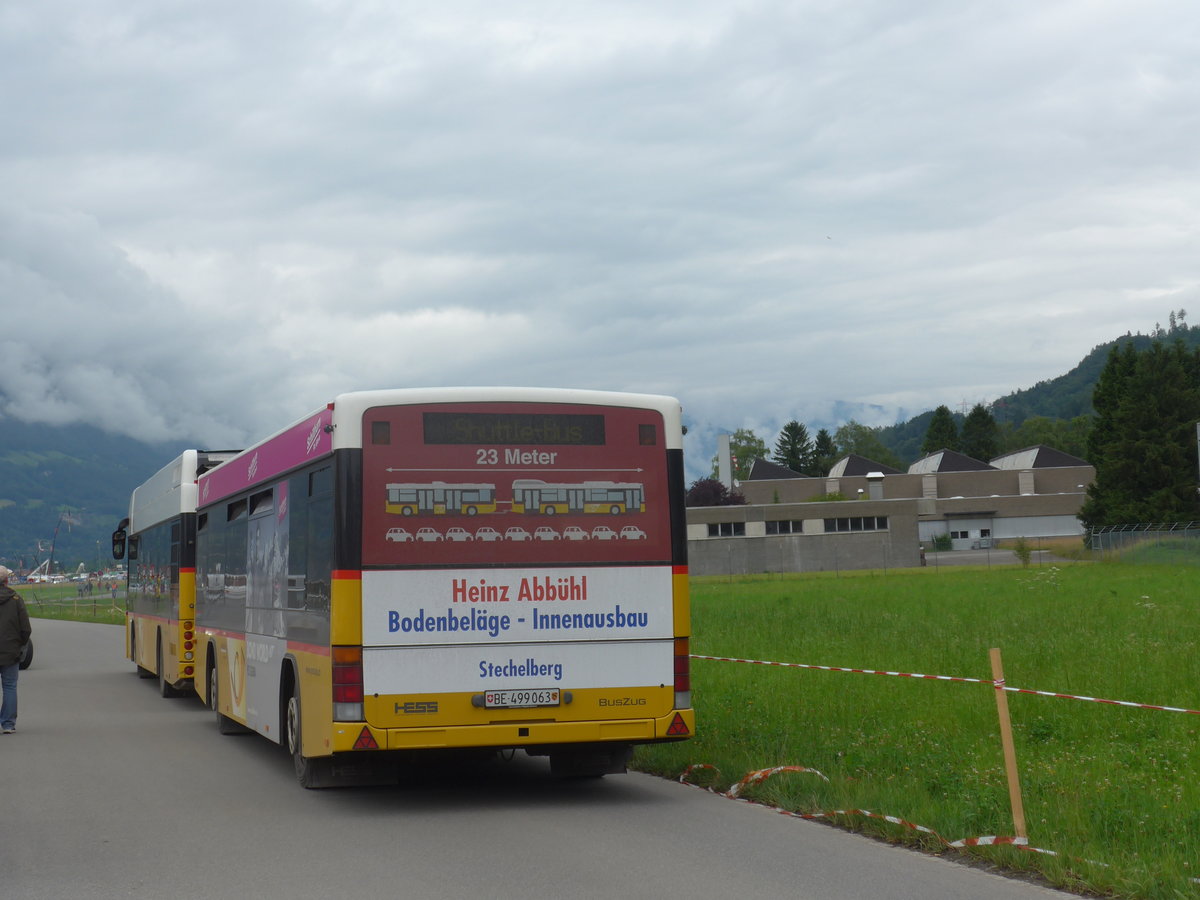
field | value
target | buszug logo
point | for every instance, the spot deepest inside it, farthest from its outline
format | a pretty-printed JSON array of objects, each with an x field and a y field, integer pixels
[{"x": 313, "y": 437}]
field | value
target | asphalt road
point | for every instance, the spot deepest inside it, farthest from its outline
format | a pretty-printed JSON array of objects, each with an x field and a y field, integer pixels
[{"x": 109, "y": 791}]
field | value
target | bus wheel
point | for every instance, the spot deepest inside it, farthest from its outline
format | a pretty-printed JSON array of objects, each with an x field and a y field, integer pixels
[
  {"x": 164, "y": 689},
  {"x": 311, "y": 772},
  {"x": 225, "y": 725}
]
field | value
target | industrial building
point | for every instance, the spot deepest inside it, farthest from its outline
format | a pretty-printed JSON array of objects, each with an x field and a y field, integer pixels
[{"x": 864, "y": 515}]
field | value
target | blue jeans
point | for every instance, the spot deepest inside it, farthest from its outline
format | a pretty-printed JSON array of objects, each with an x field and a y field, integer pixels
[{"x": 8, "y": 711}]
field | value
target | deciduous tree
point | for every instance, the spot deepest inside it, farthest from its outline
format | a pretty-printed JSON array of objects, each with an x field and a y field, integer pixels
[
  {"x": 862, "y": 440},
  {"x": 710, "y": 492},
  {"x": 745, "y": 447}
]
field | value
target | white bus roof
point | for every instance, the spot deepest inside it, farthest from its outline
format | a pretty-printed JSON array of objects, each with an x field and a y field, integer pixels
[{"x": 171, "y": 490}]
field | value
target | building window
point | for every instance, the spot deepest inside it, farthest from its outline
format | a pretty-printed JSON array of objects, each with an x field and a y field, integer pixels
[
  {"x": 856, "y": 523},
  {"x": 959, "y": 535},
  {"x": 785, "y": 526},
  {"x": 985, "y": 532},
  {"x": 726, "y": 529}
]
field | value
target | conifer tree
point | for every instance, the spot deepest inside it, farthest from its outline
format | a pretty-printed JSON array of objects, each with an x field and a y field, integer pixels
[
  {"x": 1143, "y": 443},
  {"x": 942, "y": 433},
  {"x": 980, "y": 435},
  {"x": 794, "y": 449},
  {"x": 824, "y": 452}
]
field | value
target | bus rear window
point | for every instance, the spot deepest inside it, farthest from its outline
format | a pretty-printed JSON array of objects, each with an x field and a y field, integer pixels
[{"x": 513, "y": 428}]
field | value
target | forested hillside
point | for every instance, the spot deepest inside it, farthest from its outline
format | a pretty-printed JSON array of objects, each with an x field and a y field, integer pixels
[
  {"x": 1063, "y": 399},
  {"x": 73, "y": 479}
]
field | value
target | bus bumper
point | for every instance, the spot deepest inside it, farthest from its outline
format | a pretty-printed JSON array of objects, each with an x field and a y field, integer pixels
[{"x": 677, "y": 725}]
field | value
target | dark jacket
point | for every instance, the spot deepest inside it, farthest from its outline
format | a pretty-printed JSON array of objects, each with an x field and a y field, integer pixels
[{"x": 14, "y": 626}]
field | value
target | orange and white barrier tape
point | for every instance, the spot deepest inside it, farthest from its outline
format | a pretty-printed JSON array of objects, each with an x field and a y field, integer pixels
[
  {"x": 998, "y": 685},
  {"x": 761, "y": 775}
]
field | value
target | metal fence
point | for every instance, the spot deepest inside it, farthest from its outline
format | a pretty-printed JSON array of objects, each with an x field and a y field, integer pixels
[{"x": 1120, "y": 537}]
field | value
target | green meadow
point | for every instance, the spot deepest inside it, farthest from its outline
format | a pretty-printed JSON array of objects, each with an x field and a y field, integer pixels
[
  {"x": 64, "y": 601},
  {"x": 1111, "y": 792}
]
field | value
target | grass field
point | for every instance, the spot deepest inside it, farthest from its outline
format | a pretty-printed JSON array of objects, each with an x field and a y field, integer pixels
[
  {"x": 1113, "y": 791},
  {"x": 63, "y": 601}
]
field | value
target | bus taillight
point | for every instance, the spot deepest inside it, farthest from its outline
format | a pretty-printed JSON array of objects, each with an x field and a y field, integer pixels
[
  {"x": 683, "y": 673},
  {"x": 347, "y": 684}
]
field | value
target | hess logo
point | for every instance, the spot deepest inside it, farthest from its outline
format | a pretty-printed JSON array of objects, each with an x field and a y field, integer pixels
[{"x": 417, "y": 706}]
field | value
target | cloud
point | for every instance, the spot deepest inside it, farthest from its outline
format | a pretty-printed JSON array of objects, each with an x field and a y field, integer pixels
[{"x": 773, "y": 211}]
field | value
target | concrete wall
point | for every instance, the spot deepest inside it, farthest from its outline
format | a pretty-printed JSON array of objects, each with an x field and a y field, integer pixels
[{"x": 813, "y": 550}]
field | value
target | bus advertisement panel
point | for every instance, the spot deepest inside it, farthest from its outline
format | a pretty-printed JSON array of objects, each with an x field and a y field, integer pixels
[{"x": 565, "y": 579}]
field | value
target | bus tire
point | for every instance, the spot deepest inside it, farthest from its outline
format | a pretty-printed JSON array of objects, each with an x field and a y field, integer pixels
[
  {"x": 311, "y": 771},
  {"x": 164, "y": 688},
  {"x": 225, "y": 725}
]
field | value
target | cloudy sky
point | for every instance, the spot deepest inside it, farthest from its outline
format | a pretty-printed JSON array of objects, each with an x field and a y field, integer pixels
[{"x": 214, "y": 216}]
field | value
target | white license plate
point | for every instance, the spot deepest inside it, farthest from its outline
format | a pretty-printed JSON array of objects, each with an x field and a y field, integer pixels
[{"x": 517, "y": 699}]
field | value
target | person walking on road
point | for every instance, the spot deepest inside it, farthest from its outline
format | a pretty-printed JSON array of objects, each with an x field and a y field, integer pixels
[{"x": 15, "y": 632}]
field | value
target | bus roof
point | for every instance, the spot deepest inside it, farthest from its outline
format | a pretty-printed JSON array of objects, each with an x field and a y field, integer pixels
[
  {"x": 172, "y": 489},
  {"x": 349, "y": 408},
  {"x": 338, "y": 426}
]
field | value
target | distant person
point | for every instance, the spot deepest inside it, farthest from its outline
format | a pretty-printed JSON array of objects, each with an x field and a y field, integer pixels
[{"x": 15, "y": 632}]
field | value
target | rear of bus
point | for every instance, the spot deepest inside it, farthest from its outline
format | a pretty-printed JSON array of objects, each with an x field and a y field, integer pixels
[
  {"x": 159, "y": 538},
  {"x": 560, "y": 627}
]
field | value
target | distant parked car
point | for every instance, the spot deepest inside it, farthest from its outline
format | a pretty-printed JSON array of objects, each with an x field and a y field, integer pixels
[
  {"x": 429, "y": 535},
  {"x": 546, "y": 533},
  {"x": 516, "y": 534},
  {"x": 575, "y": 533},
  {"x": 398, "y": 534},
  {"x": 632, "y": 533},
  {"x": 603, "y": 533}
]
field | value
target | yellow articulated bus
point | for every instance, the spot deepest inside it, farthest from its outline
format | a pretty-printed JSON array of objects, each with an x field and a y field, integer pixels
[
  {"x": 325, "y": 627},
  {"x": 159, "y": 537}
]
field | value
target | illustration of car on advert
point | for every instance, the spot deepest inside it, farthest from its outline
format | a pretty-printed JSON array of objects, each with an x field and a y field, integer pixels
[
  {"x": 517, "y": 534},
  {"x": 603, "y": 533},
  {"x": 399, "y": 534},
  {"x": 575, "y": 533},
  {"x": 428, "y": 535},
  {"x": 487, "y": 533},
  {"x": 632, "y": 533},
  {"x": 546, "y": 533},
  {"x": 459, "y": 534}
]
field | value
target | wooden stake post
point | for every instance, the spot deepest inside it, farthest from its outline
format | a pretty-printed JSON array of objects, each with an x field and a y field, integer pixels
[{"x": 1010, "y": 753}]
